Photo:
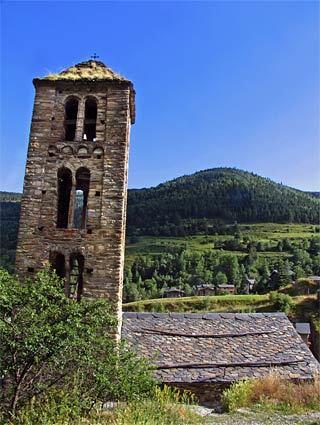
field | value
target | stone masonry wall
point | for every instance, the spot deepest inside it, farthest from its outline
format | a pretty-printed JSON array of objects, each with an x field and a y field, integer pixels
[
  {"x": 206, "y": 393},
  {"x": 102, "y": 241}
]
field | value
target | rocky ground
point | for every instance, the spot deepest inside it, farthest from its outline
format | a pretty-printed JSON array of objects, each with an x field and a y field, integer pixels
[{"x": 247, "y": 417}]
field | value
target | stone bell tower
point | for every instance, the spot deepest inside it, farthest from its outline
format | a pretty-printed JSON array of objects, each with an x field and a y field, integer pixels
[{"x": 73, "y": 209}]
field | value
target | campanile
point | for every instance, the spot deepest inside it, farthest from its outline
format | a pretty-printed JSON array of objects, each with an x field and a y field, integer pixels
[{"x": 73, "y": 209}]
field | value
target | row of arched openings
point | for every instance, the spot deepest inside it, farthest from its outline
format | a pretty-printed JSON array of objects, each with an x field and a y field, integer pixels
[
  {"x": 90, "y": 118},
  {"x": 69, "y": 197},
  {"x": 71, "y": 272}
]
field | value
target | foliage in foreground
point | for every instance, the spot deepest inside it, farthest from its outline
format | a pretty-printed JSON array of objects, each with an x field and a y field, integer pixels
[
  {"x": 164, "y": 406},
  {"x": 273, "y": 393},
  {"x": 50, "y": 344},
  {"x": 168, "y": 406}
]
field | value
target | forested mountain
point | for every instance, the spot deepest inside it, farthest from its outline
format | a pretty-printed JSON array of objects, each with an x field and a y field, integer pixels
[
  {"x": 9, "y": 223},
  {"x": 220, "y": 194},
  {"x": 10, "y": 196},
  {"x": 196, "y": 204}
]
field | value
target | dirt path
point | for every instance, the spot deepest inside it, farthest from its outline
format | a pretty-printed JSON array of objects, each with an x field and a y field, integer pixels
[{"x": 257, "y": 418}]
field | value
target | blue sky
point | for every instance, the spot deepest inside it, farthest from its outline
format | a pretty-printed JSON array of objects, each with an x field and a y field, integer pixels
[{"x": 218, "y": 83}]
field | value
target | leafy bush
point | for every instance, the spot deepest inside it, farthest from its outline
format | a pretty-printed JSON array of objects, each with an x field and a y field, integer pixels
[
  {"x": 49, "y": 342},
  {"x": 281, "y": 302},
  {"x": 238, "y": 395},
  {"x": 273, "y": 393}
]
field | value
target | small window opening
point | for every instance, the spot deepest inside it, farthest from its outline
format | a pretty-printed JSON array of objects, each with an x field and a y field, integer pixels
[
  {"x": 75, "y": 284},
  {"x": 90, "y": 119},
  {"x": 44, "y": 192},
  {"x": 90, "y": 271},
  {"x": 97, "y": 193},
  {"x": 40, "y": 228},
  {"x": 58, "y": 264},
  {"x": 30, "y": 270},
  {"x": 70, "y": 123},
  {"x": 64, "y": 191},
  {"x": 89, "y": 231},
  {"x": 81, "y": 201}
]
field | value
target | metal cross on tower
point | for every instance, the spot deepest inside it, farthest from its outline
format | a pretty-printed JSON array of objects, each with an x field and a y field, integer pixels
[{"x": 94, "y": 56}]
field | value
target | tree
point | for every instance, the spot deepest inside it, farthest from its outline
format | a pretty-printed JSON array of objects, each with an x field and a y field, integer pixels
[
  {"x": 230, "y": 266},
  {"x": 220, "y": 279},
  {"x": 49, "y": 341},
  {"x": 314, "y": 248},
  {"x": 301, "y": 258},
  {"x": 281, "y": 276}
]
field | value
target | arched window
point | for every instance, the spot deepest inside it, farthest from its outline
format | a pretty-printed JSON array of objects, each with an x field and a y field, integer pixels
[
  {"x": 58, "y": 264},
  {"x": 90, "y": 119},
  {"x": 75, "y": 284},
  {"x": 73, "y": 280},
  {"x": 70, "y": 120},
  {"x": 64, "y": 191},
  {"x": 81, "y": 201}
]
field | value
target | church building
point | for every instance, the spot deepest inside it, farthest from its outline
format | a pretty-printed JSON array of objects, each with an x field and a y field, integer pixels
[{"x": 73, "y": 209}]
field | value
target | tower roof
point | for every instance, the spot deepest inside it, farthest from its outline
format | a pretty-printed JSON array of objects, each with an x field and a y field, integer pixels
[{"x": 91, "y": 70}]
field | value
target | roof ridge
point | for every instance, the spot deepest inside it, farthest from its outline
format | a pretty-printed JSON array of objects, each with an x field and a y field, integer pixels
[{"x": 137, "y": 315}]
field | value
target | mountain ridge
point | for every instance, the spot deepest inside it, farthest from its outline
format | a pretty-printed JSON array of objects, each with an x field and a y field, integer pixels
[{"x": 226, "y": 194}]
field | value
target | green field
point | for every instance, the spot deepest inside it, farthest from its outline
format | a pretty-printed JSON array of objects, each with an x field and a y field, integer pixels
[{"x": 264, "y": 232}]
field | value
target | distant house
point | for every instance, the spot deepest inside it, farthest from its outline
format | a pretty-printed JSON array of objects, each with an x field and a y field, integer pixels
[
  {"x": 206, "y": 353},
  {"x": 174, "y": 293},
  {"x": 315, "y": 279},
  {"x": 230, "y": 289},
  {"x": 249, "y": 284},
  {"x": 303, "y": 330},
  {"x": 205, "y": 289}
]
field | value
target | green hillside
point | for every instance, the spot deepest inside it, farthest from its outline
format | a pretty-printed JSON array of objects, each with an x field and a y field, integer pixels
[
  {"x": 187, "y": 204},
  {"x": 184, "y": 232}
]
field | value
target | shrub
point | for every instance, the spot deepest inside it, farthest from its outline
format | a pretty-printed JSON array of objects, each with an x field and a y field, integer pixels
[
  {"x": 49, "y": 342},
  {"x": 206, "y": 304},
  {"x": 281, "y": 302},
  {"x": 238, "y": 395},
  {"x": 273, "y": 393},
  {"x": 165, "y": 406},
  {"x": 304, "y": 287}
]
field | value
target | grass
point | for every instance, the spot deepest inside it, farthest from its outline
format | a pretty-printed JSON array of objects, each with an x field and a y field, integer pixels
[
  {"x": 92, "y": 71},
  {"x": 278, "y": 231},
  {"x": 200, "y": 303},
  {"x": 167, "y": 406},
  {"x": 272, "y": 393},
  {"x": 304, "y": 305}
]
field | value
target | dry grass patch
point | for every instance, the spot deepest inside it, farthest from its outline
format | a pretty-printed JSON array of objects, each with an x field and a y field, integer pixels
[{"x": 273, "y": 393}]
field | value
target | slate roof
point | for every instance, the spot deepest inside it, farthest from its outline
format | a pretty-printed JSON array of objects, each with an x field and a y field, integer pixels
[
  {"x": 303, "y": 328},
  {"x": 218, "y": 347},
  {"x": 90, "y": 70},
  {"x": 173, "y": 289},
  {"x": 205, "y": 286}
]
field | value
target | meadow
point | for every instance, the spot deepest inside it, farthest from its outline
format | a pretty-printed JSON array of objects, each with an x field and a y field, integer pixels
[{"x": 270, "y": 233}]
